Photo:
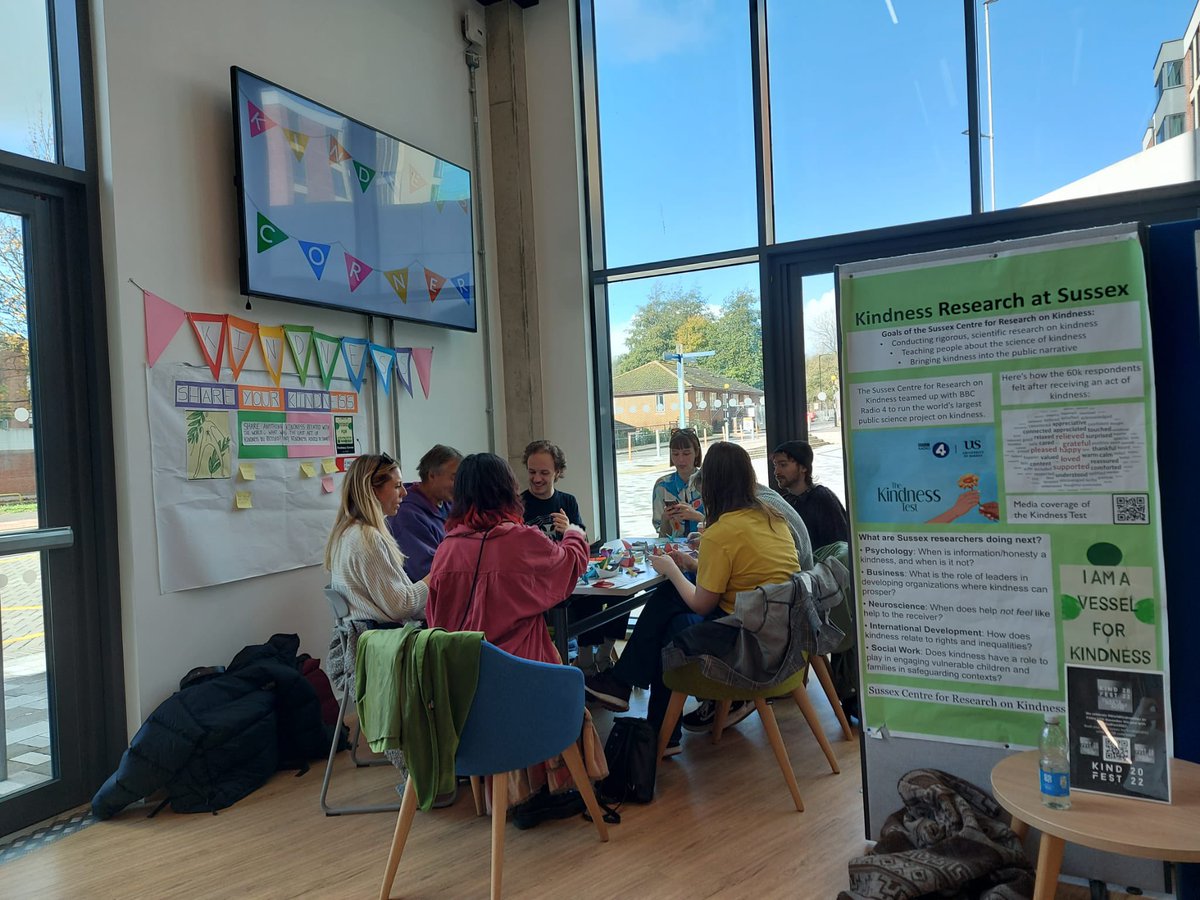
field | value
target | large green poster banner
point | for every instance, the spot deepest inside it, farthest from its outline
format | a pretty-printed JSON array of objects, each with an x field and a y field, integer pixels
[{"x": 1003, "y": 490}]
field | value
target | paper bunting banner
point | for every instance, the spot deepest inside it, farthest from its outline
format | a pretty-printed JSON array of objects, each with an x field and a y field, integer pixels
[
  {"x": 464, "y": 205},
  {"x": 239, "y": 338},
  {"x": 271, "y": 339},
  {"x": 423, "y": 358},
  {"x": 462, "y": 284},
  {"x": 259, "y": 121},
  {"x": 300, "y": 345},
  {"x": 398, "y": 279},
  {"x": 384, "y": 359},
  {"x": 364, "y": 173},
  {"x": 316, "y": 254},
  {"x": 356, "y": 271},
  {"x": 210, "y": 334},
  {"x": 404, "y": 367},
  {"x": 297, "y": 141},
  {"x": 327, "y": 348},
  {"x": 337, "y": 153},
  {"x": 269, "y": 234},
  {"x": 354, "y": 352},
  {"x": 435, "y": 282},
  {"x": 163, "y": 321}
]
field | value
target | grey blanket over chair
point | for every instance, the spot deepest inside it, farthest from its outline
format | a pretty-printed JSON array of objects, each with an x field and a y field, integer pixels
[{"x": 773, "y": 630}]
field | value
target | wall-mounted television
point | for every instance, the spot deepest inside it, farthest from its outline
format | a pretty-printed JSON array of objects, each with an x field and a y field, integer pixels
[{"x": 338, "y": 214}]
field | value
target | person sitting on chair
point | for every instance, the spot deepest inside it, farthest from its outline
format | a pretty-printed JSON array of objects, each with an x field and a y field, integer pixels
[
  {"x": 745, "y": 543},
  {"x": 361, "y": 555},
  {"x": 419, "y": 525}
]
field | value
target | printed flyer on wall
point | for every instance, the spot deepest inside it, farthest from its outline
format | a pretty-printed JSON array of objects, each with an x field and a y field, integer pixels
[{"x": 1003, "y": 490}]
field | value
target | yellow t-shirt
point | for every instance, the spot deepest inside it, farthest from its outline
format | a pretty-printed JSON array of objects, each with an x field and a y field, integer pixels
[{"x": 742, "y": 550}]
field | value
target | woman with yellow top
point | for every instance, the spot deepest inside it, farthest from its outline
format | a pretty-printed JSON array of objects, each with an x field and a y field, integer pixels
[{"x": 745, "y": 544}]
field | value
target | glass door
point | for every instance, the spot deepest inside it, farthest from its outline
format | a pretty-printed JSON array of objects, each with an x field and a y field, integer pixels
[{"x": 49, "y": 658}]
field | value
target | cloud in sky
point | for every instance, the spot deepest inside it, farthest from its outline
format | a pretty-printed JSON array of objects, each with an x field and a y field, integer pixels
[
  {"x": 648, "y": 30},
  {"x": 814, "y": 310}
]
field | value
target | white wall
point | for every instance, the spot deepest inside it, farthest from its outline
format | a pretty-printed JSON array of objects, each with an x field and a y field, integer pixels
[
  {"x": 555, "y": 145},
  {"x": 169, "y": 216}
]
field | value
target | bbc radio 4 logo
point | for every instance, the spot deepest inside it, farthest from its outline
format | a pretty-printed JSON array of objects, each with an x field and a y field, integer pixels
[{"x": 968, "y": 448}]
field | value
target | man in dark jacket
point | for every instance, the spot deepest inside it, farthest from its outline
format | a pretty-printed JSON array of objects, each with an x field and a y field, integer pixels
[
  {"x": 419, "y": 525},
  {"x": 218, "y": 739}
]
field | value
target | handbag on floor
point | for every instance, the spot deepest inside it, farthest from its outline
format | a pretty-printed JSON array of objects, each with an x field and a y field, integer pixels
[{"x": 632, "y": 753}]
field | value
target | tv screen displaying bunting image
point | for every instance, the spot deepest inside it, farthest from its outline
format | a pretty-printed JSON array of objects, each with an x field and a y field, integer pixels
[{"x": 338, "y": 214}]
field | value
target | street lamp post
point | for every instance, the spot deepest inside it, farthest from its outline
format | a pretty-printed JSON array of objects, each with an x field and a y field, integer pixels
[
  {"x": 679, "y": 356},
  {"x": 991, "y": 135}
]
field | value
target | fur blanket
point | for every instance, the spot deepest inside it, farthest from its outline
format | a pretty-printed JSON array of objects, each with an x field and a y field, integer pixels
[{"x": 950, "y": 841}]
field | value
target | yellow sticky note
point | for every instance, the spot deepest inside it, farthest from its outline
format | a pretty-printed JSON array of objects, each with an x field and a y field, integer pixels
[
  {"x": 308, "y": 470},
  {"x": 242, "y": 500},
  {"x": 246, "y": 470},
  {"x": 328, "y": 466}
]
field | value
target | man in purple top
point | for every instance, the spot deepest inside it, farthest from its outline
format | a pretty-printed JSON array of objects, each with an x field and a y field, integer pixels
[{"x": 420, "y": 523}]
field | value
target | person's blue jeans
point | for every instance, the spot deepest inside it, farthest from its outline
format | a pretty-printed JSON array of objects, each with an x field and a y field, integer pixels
[{"x": 664, "y": 616}]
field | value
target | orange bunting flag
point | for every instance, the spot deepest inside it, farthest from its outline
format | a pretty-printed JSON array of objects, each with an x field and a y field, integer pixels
[
  {"x": 270, "y": 337},
  {"x": 297, "y": 141},
  {"x": 239, "y": 337},
  {"x": 398, "y": 279},
  {"x": 210, "y": 335},
  {"x": 337, "y": 153},
  {"x": 434, "y": 282}
]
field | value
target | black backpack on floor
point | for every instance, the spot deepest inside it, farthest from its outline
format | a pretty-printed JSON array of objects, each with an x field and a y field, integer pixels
[{"x": 631, "y": 750}]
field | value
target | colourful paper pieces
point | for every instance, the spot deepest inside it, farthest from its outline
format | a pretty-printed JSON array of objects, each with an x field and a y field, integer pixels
[
  {"x": 327, "y": 484},
  {"x": 384, "y": 359},
  {"x": 356, "y": 272},
  {"x": 259, "y": 121},
  {"x": 300, "y": 345},
  {"x": 337, "y": 153},
  {"x": 242, "y": 500},
  {"x": 354, "y": 353},
  {"x": 423, "y": 359},
  {"x": 240, "y": 335},
  {"x": 316, "y": 255},
  {"x": 269, "y": 234},
  {"x": 329, "y": 466},
  {"x": 364, "y": 175},
  {"x": 246, "y": 470},
  {"x": 398, "y": 279},
  {"x": 307, "y": 469},
  {"x": 270, "y": 337},
  {"x": 163, "y": 321},
  {"x": 210, "y": 333},
  {"x": 434, "y": 282},
  {"x": 297, "y": 141},
  {"x": 462, "y": 283}
]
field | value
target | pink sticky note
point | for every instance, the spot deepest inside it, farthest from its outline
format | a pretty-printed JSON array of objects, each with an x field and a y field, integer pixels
[{"x": 327, "y": 484}]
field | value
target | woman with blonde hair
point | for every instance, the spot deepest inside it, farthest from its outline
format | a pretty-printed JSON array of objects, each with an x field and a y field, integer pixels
[{"x": 361, "y": 555}]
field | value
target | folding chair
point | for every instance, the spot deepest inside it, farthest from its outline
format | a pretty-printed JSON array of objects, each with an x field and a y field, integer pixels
[
  {"x": 523, "y": 712},
  {"x": 342, "y": 627}
]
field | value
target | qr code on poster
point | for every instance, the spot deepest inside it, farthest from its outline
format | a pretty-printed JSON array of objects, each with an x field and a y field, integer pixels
[
  {"x": 1118, "y": 752},
  {"x": 1131, "y": 509}
]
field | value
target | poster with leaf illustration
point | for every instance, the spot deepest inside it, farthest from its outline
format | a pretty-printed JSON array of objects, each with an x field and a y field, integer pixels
[{"x": 208, "y": 444}]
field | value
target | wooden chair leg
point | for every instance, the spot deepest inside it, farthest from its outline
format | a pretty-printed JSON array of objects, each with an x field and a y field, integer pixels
[
  {"x": 674, "y": 708},
  {"x": 810, "y": 715},
  {"x": 579, "y": 772},
  {"x": 820, "y": 666},
  {"x": 1049, "y": 863},
  {"x": 408, "y": 809},
  {"x": 785, "y": 765},
  {"x": 499, "y": 816},
  {"x": 477, "y": 795},
  {"x": 719, "y": 722}
]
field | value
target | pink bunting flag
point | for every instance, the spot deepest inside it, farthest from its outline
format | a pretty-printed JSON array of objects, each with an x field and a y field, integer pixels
[
  {"x": 422, "y": 358},
  {"x": 163, "y": 321},
  {"x": 356, "y": 271},
  {"x": 259, "y": 120}
]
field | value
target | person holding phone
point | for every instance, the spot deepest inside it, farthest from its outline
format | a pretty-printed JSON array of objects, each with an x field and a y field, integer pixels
[{"x": 676, "y": 507}]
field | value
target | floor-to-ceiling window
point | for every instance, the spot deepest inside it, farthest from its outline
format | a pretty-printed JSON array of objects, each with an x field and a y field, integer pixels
[{"x": 723, "y": 135}]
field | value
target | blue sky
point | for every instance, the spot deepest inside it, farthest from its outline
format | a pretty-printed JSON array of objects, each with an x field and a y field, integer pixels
[
  {"x": 24, "y": 72},
  {"x": 868, "y": 107}
]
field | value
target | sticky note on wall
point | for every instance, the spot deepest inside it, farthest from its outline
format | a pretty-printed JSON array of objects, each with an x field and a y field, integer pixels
[
  {"x": 307, "y": 469},
  {"x": 246, "y": 470},
  {"x": 329, "y": 466},
  {"x": 327, "y": 484},
  {"x": 242, "y": 500}
]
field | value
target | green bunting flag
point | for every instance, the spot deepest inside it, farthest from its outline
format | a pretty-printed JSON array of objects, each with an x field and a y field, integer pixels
[
  {"x": 364, "y": 173},
  {"x": 269, "y": 234}
]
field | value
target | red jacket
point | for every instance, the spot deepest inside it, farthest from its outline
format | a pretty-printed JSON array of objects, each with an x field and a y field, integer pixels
[{"x": 522, "y": 573}]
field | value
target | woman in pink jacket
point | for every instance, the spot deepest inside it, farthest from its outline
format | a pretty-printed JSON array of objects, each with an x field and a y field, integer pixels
[{"x": 493, "y": 573}]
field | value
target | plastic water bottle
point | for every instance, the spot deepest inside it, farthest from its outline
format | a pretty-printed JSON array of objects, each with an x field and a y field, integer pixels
[{"x": 1055, "y": 764}]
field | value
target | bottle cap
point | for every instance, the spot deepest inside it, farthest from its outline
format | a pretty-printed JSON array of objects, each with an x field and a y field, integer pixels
[{"x": 1051, "y": 718}]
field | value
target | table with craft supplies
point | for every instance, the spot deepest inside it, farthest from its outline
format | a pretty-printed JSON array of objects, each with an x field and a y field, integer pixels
[
  {"x": 626, "y": 589},
  {"x": 1140, "y": 828}
]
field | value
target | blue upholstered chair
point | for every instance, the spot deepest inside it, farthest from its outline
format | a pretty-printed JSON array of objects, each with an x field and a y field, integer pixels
[{"x": 524, "y": 712}]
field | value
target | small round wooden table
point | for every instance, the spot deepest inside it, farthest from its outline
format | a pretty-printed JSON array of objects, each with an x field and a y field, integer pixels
[{"x": 1116, "y": 824}]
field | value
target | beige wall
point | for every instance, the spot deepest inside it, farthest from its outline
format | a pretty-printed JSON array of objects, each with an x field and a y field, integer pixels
[{"x": 168, "y": 217}]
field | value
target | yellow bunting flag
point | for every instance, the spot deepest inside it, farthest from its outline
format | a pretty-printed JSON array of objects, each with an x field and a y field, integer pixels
[
  {"x": 398, "y": 279},
  {"x": 297, "y": 141}
]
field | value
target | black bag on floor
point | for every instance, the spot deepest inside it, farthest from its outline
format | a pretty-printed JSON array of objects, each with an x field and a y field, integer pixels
[{"x": 632, "y": 751}]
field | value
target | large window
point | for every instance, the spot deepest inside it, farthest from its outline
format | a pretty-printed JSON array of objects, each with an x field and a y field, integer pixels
[{"x": 27, "y": 96}]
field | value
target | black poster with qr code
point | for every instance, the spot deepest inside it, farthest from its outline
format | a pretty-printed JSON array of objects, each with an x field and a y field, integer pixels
[{"x": 1117, "y": 732}]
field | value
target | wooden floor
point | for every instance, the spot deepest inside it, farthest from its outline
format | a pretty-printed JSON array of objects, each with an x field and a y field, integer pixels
[{"x": 722, "y": 825}]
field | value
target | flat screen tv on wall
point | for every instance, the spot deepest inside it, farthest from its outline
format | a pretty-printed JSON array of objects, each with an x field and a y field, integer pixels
[{"x": 338, "y": 214}]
